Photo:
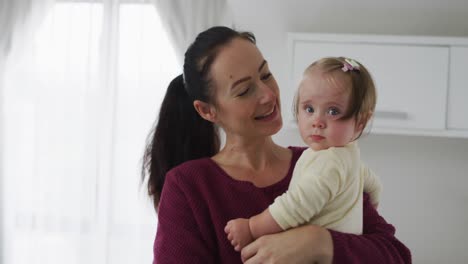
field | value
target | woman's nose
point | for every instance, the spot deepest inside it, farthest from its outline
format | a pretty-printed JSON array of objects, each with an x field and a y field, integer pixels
[{"x": 267, "y": 94}]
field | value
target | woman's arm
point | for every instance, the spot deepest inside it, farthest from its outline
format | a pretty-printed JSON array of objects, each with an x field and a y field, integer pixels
[
  {"x": 304, "y": 244},
  {"x": 378, "y": 243},
  {"x": 307, "y": 244},
  {"x": 178, "y": 238}
]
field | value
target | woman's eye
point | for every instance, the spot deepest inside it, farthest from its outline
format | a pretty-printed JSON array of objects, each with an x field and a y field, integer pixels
[
  {"x": 244, "y": 92},
  {"x": 309, "y": 109},
  {"x": 266, "y": 76},
  {"x": 333, "y": 111}
]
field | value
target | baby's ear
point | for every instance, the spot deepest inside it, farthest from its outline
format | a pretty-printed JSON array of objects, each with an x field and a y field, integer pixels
[
  {"x": 363, "y": 119},
  {"x": 205, "y": 110}
]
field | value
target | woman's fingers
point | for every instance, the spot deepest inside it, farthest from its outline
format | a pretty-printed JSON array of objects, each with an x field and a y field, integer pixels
[
  {"x": 306, "y": 244},
  {"x": 249, "y": 251}
]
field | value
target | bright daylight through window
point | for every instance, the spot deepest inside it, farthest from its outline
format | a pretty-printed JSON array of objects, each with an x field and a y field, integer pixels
[{"x": 80, "y": 99}]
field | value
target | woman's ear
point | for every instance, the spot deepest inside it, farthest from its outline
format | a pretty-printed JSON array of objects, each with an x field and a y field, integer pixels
[{"x": 205, "y": 110}]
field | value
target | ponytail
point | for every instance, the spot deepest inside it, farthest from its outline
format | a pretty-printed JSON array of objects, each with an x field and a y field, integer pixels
[{"x": 179, "y": 135}]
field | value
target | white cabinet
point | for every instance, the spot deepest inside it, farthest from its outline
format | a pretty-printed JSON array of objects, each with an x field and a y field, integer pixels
[
  {"x": 458, "y": 94},
  {"x": 422, "y": 83}
]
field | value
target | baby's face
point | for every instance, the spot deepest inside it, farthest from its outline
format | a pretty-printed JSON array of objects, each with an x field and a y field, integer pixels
[{"x": 323, "y": 100}]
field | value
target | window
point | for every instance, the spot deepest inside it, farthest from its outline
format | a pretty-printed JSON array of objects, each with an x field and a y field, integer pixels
[{"x": 79, "y": 104}]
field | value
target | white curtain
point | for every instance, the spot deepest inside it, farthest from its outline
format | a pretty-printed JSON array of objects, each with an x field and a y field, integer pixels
[
  {"x": 79, "y": 98},
  {"x": 80, "y": 86},
  {"x": 18, "y": 20},
  {"x": 184, "y": 19}
]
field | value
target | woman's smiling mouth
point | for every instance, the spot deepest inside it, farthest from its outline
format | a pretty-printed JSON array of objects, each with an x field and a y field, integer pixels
[{"x": 268, "y": 115}]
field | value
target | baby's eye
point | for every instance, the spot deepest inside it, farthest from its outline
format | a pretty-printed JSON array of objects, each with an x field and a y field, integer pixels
[
  {"x": 333, "y": 111},
  {"x": 309, "y": 109}
]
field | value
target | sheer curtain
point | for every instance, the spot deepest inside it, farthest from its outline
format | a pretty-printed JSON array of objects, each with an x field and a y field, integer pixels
[
  {"x": 79, "y": 98},
  {"x": 18, "y": 20},
  {"x": 79, "y": 93},
  {"x": 184, "y": 19}
]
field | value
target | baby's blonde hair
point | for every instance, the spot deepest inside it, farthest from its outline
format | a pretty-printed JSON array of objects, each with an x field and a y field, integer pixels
[{"x": 363, "y": 93}]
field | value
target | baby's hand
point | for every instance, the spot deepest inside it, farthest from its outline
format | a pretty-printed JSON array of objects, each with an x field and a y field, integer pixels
[{"x": 238, "y": 232}]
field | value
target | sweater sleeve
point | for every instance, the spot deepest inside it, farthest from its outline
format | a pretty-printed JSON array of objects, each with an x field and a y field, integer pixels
[
  {"x": 378, "y": 243},
  {"x": 178, "y": 239}
]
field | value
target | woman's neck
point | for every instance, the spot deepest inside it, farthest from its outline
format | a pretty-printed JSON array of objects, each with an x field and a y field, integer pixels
[{"x": 255, "y": 154}]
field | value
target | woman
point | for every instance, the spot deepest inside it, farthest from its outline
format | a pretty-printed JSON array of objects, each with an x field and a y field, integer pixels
[{"x": 197, "y": 188}]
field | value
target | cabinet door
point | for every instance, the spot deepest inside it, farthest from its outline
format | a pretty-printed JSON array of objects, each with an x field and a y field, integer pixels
[
  {"x": 411, "y": 81},
  {"x": 458, "y": 91}
]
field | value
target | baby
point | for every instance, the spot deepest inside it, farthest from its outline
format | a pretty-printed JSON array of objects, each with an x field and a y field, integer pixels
[{"x": 334, "y": 102}]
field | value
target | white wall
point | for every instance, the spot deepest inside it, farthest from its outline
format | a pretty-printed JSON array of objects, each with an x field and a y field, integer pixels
[{"x": 425, "y": 178}]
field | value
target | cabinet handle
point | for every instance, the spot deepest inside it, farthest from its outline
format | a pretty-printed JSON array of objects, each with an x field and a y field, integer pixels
[{"x": 391, "y": 115}]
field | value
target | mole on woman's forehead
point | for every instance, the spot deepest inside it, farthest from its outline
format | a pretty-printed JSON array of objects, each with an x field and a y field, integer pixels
[{"x": 230, "y": 76}]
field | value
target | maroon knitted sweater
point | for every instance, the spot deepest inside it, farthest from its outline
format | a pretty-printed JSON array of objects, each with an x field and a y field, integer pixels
[{"x": 199, "y": 198}]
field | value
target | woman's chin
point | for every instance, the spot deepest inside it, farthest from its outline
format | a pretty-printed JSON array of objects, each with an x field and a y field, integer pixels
[{"x": 277, "y": 127}]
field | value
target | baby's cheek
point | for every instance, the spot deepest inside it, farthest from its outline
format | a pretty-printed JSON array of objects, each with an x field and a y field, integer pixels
[{"x": 342, "y": 133}]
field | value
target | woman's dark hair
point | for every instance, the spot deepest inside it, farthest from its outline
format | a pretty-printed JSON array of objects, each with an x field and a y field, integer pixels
[{"x": 180, "y": 134}]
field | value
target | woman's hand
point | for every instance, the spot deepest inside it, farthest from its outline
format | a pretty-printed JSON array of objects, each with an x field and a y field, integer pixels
[{"x": 305, "y": 244}]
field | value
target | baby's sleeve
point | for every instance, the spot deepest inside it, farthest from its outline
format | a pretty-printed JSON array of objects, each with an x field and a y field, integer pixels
[
  {"x": 372, "y": 184},
  {"x": 319, "y": 182}
]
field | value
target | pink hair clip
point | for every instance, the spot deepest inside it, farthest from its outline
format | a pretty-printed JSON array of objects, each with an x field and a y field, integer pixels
[{"x": 350, "y": 65}]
